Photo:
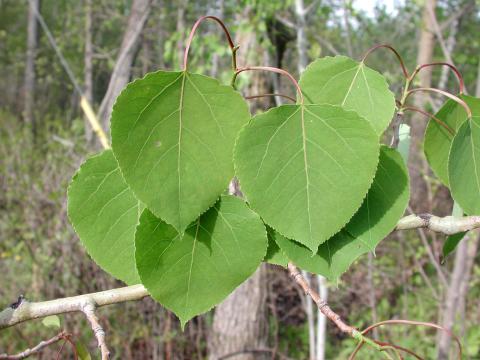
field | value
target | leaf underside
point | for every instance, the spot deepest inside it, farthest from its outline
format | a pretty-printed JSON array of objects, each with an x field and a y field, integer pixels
[
  {"x": 384, "y": 204},
  {"x": 343, "y": 81},
  {"x": 306, "y": 169},
  {"x": 438, "y": 140},
  {"x": 104, "y": 213},
  {"x": 190, "y": 274},
  {"x": 173, "y": 135}
]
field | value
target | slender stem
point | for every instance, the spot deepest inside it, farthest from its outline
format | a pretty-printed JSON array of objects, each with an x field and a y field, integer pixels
[
  {"x": 395, "y": 52},
  {"x": 444, "y": 93},
  {"x": 416, "y": 323},
  {"x": 37, "y": 349},
  {"x": 437, "y": 120},
  {"x": 270, "y": 69},
  {"x": 89, "y": 311},
  {"x": 251, "y": 97},
  {"x": 322, "y": 304},
  {"x": 457, "y": 73},
  {"x": 232, "y": 46}
]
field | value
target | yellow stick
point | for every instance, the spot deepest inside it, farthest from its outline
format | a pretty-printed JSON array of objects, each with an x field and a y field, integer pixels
[{"x": 92, "y": 119}]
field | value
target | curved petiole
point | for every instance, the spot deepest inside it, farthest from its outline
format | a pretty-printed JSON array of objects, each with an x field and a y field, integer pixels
[
  {"x": 426, "y": 113},
  {"x": 444, "y": 93},
  {"x": 252, "y": 97},
  {"x": 232, "y": 46},
  {"x": 461, "y": 84},
  {"x": 395, "y": 52},
  {"x": 270, "y": 69},
  {"x": 407, "y": 322}
]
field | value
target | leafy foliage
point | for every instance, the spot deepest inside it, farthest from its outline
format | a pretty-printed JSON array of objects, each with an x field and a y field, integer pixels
[
  {"x": 297, "y": 163},
  {"x": 321, "y": 190},
  {"x": 343, "y": 81},
  {"x": 173, "y": 135},
  {"x": 104, "y": 213},
  {"x": 190, "y": 274}
]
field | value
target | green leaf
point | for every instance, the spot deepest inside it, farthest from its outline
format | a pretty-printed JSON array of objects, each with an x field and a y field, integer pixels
[
  {"x": 173, "y": 135},
  {"x": 82, "y": 351},
  {"x": 464, "y": 166},
  {"x": 452, "y": 241},
  {"x": 51, "y": 321},
  {"x": 275, "y": 255},
  {"x": 190, "y": 274},
  {"x": 104, "y": 213},
  {"x": 451, "y": 244},
  {"x": 306, "y": 169},
  {"x": 343, "y": 81},
  {"x": 438, "y": 140},
  {"x": 382, "y": 208}
]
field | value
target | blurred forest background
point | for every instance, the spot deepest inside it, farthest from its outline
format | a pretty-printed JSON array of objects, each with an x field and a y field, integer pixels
[{"x": 44, "y": 137}]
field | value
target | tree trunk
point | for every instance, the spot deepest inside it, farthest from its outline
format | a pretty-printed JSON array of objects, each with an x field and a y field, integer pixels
[
  {"x": 302, "y": 50},
  {"x": 121, "y": 72},
  {"x": 88, "y": 63},
  {"x": 182, "y": 5},
  {"x": 417, "y": 164},
  {"x": 457, "y": 290},
  {"x": 450, "y": 45},
  {"x": 239, "y": 325},
  {"x": 32, "y": 42}
]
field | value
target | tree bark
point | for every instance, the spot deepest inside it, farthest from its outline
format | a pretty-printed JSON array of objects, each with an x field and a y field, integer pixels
[
  {"x": 417, "y": 164},
  {"x": 88, "y": 63},
  {"x": 121, "y": 72},
  {"x": 239, "y": 324},
  {"x": 457, "y": 290},
  {"x": 302, "y": 50},
  {"x": 32, "y": 43},
  {"x": 182, "y": 5}
]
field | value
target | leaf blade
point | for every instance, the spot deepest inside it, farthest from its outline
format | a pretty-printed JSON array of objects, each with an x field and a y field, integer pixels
[
  {"x": 173, "y": 135},
  {"x": 464, "y": 166},
  {"x": 384, "y": 205},
  {"x": 331, "y": 159},
  {"x": 104, "y": 213},
  {"x": 343, "y": 81},
  {"x": 216, "y": 254}
]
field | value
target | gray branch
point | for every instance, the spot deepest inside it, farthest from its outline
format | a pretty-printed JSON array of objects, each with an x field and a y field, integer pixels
[{"x": 24, "y": 310}]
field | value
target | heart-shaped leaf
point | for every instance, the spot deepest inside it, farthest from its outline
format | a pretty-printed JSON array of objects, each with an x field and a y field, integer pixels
[
  {"x": 173, "y": 135},
  {"x": 464, "y": 166},
  {"x": 438, "y": 139},
  {"x": 383, "y": 206},
  {"x": 104, "y": 213},
  {"x": 190, "y": 274},
  {"x": 306, "y": 169},
  {"x": 343, "y": 81}
]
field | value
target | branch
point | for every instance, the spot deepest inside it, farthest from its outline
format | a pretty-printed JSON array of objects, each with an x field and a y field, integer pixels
[
  {"x": 447, "y": 225},
  {"x": 24, "y": 310},
  {"x": 322, "y": 304},
  {"x": 36, "y": 349},
  {"x": 89, "y": 311}
]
